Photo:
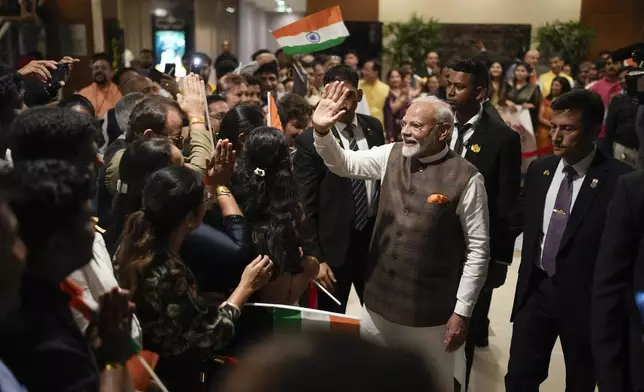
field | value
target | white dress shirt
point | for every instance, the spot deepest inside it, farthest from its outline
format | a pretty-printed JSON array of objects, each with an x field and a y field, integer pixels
[
  {"x": 97, "y": 278},
  {"x": 581, "y": 168},
  {"x": 468, "y": 135},
  {"x": 472, "y": 209},
  {"x": 363, "y": 107},
  {"x": 363, "y": 144}
]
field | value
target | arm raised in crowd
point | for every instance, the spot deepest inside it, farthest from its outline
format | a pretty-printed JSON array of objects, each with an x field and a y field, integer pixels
[
  {"x": 192, "y": 102},
  {"x": 364, "y": 165}
]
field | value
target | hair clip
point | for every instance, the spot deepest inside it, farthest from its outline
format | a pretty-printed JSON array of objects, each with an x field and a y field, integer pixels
[{"x": 259, "y": 172}]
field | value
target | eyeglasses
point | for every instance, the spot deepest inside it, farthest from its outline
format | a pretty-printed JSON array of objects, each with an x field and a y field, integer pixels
[{"x": 177, "y": 140}]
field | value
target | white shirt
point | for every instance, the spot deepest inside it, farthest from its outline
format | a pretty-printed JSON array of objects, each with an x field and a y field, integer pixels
[
  {"x": 363, "y": 144},
  {"x": 363, "y": 107},
  {"x": 97, "y": 278},
  {"x": 472, "y": 209},
  {"x": 468, "y": 135},
  {"x": 581, "y": 168}
]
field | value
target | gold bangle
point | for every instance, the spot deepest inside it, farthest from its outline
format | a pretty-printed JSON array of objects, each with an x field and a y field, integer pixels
[
  {"x": 198, "y": 119},
  {"x": 312, "y": 258},
  {"x": 222, "y": 190},
  {"x": 112, "y": 366}
]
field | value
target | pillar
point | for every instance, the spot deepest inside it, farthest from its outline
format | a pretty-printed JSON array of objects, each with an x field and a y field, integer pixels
[
  {"x": 618, "y": 23},
  {"x": 72, "y": 21}
]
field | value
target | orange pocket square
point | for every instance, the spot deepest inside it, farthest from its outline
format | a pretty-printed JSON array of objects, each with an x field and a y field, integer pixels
[{"x": 437, "y": 198}]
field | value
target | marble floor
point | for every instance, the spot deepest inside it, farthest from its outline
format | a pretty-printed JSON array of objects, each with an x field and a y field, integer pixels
[{"x": 490, "y": 364}]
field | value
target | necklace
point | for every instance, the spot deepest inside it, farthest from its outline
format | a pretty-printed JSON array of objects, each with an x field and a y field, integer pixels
[{"x": 105, "y": 96}]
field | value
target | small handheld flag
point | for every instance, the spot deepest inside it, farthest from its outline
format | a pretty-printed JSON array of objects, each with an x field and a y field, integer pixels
[
  {"x": 313, "y": 33},
  {"x": 143, "y": 357},
  {"x": 272, "y": 116}
]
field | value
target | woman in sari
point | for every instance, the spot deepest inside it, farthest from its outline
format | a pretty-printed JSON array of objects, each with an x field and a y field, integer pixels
[
  {"x": 524, "y": 93},
  {"x": 560, "y": 85}
]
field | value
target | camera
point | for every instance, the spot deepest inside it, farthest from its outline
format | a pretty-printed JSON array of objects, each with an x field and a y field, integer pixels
[{"x": 635, "y": 77}]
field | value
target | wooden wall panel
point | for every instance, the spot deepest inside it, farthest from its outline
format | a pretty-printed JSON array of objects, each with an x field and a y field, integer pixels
[
  {"x": 71, "y": 12},
  {"x": 353, "y": 10},
  {"x": 618, "y": 23}
]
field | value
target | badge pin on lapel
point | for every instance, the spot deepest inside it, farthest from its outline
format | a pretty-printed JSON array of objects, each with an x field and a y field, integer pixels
[{"x": 593, "y": 183}]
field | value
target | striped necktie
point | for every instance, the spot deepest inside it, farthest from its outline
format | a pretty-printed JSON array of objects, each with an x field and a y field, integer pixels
[{"x": 359, "y": 189}]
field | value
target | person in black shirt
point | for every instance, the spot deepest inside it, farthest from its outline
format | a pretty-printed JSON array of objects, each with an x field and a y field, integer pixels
[
  {"x": 620, "y": 140},
  {"x": 41, "y": 343}
]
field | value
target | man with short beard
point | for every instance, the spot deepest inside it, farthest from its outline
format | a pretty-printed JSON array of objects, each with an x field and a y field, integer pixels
[
  {"x": 103, "y": 94},
  {"x": 429, "y": 251}
]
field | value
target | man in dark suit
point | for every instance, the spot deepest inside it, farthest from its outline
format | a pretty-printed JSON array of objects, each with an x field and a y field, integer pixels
[
  {"x": 340, "y": 212},
  {"x": 619, "y": 276},
  {"x": 566, "y": 201},
  {"x": 495, "y": 150}
]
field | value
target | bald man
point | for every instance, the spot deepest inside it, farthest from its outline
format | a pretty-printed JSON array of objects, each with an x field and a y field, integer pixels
[
  {"x": 532, "y": 58},
  {"x": 139, "y": 84}
]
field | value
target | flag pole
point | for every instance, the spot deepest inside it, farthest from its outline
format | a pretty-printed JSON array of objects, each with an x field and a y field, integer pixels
[
  {"x": 268, "y": 109},
  {"x": 327, "y": 293}
]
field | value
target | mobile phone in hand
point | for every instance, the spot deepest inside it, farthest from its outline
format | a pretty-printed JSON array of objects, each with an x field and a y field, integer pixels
[{"x": 169, "y": 69}]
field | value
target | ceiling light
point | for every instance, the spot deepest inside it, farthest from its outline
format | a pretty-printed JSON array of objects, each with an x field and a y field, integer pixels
[
  {"x": 161, "y": 12},
  {"x": 289, "y": 10},
  {"x": 280, "y": 2},
  {"x": 230, "y": 10}
]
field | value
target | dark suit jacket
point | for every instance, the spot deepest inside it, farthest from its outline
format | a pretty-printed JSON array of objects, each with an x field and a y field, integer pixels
[
  {"x": 580, "y": 243},
  {"x": 491, "y": 111},
  {"x": 619, "y": 273},
  {"x": 327, "y": 198},
  {"x": 499, "y": 161}
]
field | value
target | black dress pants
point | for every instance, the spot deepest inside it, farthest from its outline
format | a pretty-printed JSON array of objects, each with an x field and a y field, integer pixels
[
  {"x": 352, "y": 271},
  {"x": 537, "y": 325}
]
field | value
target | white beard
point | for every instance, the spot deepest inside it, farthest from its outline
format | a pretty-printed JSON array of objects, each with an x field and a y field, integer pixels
[{"x": 410, "y": 152}]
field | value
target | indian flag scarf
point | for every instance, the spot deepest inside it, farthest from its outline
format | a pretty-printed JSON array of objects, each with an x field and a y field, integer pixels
[{"x": 316, "y": 32}]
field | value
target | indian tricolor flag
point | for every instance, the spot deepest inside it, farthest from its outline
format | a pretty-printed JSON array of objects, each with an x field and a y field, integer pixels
[
  {"x": 281, "y": 319},
  {"x": 319, "y": 31},
  {"x": 272, "y": 115}
]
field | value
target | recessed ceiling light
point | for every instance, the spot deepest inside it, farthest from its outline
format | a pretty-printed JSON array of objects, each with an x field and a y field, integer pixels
[
  {"x": 161, "y": 12},
  {"x": 230, "y": 10}
]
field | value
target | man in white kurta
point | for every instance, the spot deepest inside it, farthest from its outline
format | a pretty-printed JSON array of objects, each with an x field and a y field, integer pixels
[{"x": 430, "y": 247}]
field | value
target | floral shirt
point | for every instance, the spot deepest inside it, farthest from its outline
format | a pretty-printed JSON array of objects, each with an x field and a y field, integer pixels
[{"x": 173, "y": 316}]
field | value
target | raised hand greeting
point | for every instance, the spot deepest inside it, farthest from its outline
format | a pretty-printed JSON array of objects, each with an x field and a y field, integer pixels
[
  {"x": 221, "y": 167},
  {"x": 331, "y": 106},
  {"x": 192, "y": 100}
]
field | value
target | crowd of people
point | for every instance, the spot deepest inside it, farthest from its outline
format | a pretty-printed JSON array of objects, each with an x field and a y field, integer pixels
[{"x": 145, "y": 210}]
